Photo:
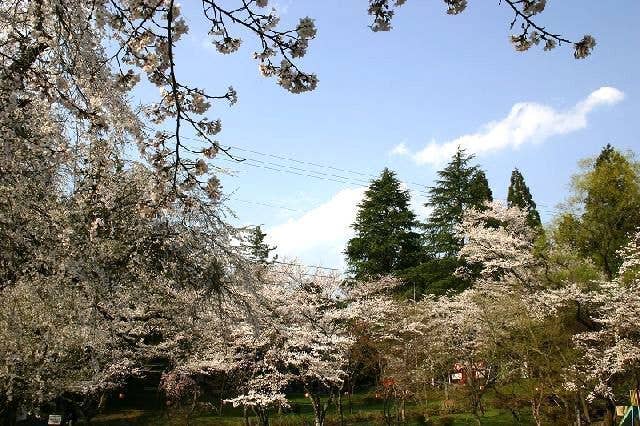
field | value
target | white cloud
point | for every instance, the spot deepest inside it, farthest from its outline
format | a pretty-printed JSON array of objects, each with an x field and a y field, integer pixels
[
  {"x": 320, "y": 235},
  {"x": 281, "y": 7},
  {"x": 527, "y": 122},
  {"x": 418, "y": 205},
  {"x": 400, "y": 149}
]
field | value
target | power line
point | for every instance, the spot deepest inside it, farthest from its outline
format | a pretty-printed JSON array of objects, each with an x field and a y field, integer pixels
[
  {"x": 319, "y": 165},
  {"x": 324, "y": 176},
  {"x": 306, "y": 274},
  {"x": 280, "y": 157},
  {"x": 249, "y": 162},
  {"x": 300, "y": 171},
  {"x": 299, "y": 161},
  {"x": 308, "y": 266},
  {"x": 264, "y": 204},
  {"x": 314, "y": 173},
  {"x": 319, "y": 175},
  {"x": 311, "y": 173},
  {"x": 305, "y": 171}
]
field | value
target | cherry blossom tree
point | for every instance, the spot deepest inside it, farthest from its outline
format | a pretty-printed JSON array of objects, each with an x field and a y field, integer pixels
[
  {"x": 110, "y": 260},
  {"x": 498, "y": 240},
  {"x": 316, "y": 345},
  {"x": 112, "y": 285},
  {"x": 524, "y": 16},
  {"x": 611, "y": 362},
  {"x": 74, "y": 63},
  {"x": 508, "y": 328},
  {"x": 282, "y": 326},
  {"x": 299, "y": 332}
]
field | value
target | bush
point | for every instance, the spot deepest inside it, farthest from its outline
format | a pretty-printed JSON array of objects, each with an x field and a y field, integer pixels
[
  {"x": 364, "y": 416},
  {"x": 293, "y": 408},
  {"x": 422, "y": 419},
  {"x": 446, "y": 421},
  {"x": 371, "y": 399}
]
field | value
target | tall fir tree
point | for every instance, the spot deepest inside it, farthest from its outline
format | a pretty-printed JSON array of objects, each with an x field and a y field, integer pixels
[
  {"x": 385, "y": 241},
  {"x": 609, "y": 200},
  {"x": 459, "y": 186},
  {"x": 520, "y": 196},
  {"x": 259, "y": 250}
]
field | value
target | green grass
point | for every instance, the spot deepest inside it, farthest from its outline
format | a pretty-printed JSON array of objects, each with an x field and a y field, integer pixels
[{"x": 365, "y": 410}]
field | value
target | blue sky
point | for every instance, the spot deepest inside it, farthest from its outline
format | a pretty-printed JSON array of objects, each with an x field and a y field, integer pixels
[{"x": 432, "y": 80}]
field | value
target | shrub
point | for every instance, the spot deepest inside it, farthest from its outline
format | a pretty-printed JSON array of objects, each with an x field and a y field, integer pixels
[{"x": 446, "y": 421}]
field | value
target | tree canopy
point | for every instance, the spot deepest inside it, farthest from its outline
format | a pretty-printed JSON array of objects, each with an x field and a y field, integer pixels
[
  {"x": 385, "y": 240},
  {"x": 115, "y": 253},
  {"x": 460, "y": 186},
  {"x": 607, "y": 203},
  {"x": 518, "y": 195}
]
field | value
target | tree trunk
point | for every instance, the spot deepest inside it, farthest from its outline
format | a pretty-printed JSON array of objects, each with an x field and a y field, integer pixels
[
  {"x": 585, "y": 408},
  {"x": 610, "y": 416},
  {"x": 245, "y": 415},
  {"x": 578, "y": 416},
  {"x": 319, "y": 410},
  {"x": 386, "y": 409},
  {"x": 340, "y": 410},
  {"x": 102, "y": 402},
  {"x": 10, "y": 416},
  {"x": 263, "y": 417},
  {"x": 535, "y": 411},
  {"x": 396, "y": 408}
]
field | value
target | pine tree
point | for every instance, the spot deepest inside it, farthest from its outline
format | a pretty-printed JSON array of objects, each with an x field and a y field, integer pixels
[
  {"x": 479, "y": 190},
  {"x": 258, "y": 248},
  {"x": 385, "y": 240},
  {"x": 460, "y": 186},
  {"x": 520, "y": 196}
]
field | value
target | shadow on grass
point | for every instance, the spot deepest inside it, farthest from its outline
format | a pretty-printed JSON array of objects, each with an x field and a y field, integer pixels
[{"x": 363, "y": 410}]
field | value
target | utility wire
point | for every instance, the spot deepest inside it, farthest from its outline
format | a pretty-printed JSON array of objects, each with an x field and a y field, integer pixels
[
  {"x": 299, "y": 161},
  {"x": 323, "y": 176},
  {"x": 308, "y": 266},
  {"x": 305, "y": 171},
  {"x": 320, "y": 165},
  {"x": 264, "y": 204},
  {"x": 310, "y": 173},
  {"x": 306, "y": 274}
]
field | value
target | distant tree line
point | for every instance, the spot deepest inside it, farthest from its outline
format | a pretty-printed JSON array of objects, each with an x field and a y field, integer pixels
[{"x": 602, "y": 212}]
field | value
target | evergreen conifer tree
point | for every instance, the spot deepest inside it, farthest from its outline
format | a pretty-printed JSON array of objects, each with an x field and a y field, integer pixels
[
  {"x": 385, "y": 240},
  {"x": 258, "y": 248},
  {"x": 460, "y": 186},
  {"x": 520, "y": 196}
]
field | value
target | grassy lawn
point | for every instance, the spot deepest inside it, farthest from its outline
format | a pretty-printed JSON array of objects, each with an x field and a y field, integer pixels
[{"x": 364, "y": 410}]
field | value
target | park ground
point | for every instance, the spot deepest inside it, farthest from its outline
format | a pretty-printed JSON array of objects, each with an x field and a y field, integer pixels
[{"x": 364, "y": 410}]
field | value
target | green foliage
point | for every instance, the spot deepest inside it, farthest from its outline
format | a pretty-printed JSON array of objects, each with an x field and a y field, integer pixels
[
  {"x": 363, "y": 410},
  {"x": 607, "y": 197},
  {"x": 520, "y": 196},
  {"x": 433, "y": 276},
  {"x": 259, "y": 249},
  {"x": 385, "y": 240},
  {"x": 563, "y": 265},
  {"x": 460, "y": 186}
]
